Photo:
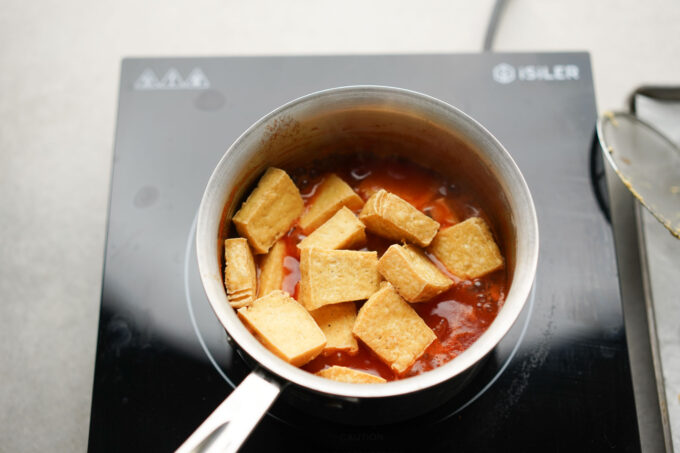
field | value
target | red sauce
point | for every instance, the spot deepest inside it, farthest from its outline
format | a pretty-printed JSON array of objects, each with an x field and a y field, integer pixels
[{"x": 458, "y": 316}]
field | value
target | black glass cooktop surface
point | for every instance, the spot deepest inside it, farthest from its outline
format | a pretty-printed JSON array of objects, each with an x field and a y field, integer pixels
[{"x": 559, "y": 381}]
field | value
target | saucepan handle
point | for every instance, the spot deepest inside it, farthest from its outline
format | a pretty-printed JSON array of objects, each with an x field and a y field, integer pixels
[{"x": 230, "y": 424}]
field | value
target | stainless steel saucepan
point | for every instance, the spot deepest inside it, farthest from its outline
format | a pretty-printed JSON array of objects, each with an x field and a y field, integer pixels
[{"x": 381, "y": 120}]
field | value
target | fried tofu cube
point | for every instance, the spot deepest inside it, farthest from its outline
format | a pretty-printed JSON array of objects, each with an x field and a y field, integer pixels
[
  {"x": 333, "y": 194},
  {"x": 392, "y": 329},
  {"x": 334, "y": 276},
  {"x": 269, "y": 211},
  {"x": 392, "y": 217},
  {"x": 240, "y": 276},
  {"x": 271, "y": 269},
  {"x": 344, "y": 374},
  {"x": 336, "y": 322},
  {"x": 468, "y": 249},
  {"x": 284, "y": 327},
  {"x": 342, "y": 231},
  {"x": 412, "y": 274}
]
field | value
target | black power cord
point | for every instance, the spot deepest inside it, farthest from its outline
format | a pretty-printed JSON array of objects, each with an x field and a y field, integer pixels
[{"x": 493, "y": 24}]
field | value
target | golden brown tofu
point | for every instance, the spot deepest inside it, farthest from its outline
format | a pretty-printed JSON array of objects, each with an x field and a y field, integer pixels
[
  {"x": 387, "y": 215},
  {"x": 336, "y": 322},
  {"x": 342, "y": 231},
  {"x": 334, "y": 276},
  {"x": 271, "y": 269},
  {"x": 269, "y": 211},
  {"x": 412, "y": 274},
  {"x": 333, "y": 194},
  {"x": 284, "y": 327},
  {"x": 392, "y": 329},
  {"x": 468, "y": 249},
  {"x": 344, "y": 374},
  {"x": 240, "y": 276}
]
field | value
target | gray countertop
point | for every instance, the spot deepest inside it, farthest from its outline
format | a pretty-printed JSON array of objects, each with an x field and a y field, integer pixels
[{"x": 60, "y": 67}]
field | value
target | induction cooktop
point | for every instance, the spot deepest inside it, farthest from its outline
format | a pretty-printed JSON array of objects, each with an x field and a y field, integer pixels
[{"x": 559, "y": 381}]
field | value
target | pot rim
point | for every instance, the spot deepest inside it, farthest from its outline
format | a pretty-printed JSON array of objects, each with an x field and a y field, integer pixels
[{"x": 520, "y": 200}]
